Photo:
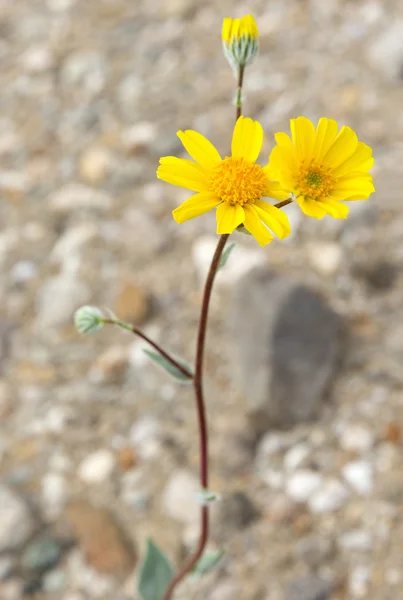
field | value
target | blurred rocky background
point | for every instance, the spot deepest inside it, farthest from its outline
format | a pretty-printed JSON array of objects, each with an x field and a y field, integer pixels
[{"x": 98, "y": 449}]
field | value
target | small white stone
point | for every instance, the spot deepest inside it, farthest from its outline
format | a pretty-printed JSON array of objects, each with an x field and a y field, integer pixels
[
  {"x": 180, "y": 497},
  {"x": 37, "y": 59},
  {"x": 58, "y": 299},
  {"x": 74, "y": 196},
  {"x": 139, "y": 136},
  {"x": 145, "y": 435},
  {"x": 356, "y": 438},
  {"x": 359, "y": 475},
  {"x": 95, "y": 164},
  {"x": 296, "y": 456},
  {"x": 358, "y": 539},
  {"x": 23, "y": 271},
  {"x": 302, "y": 484},
  {"x": 97, "y": 467},
  {"x": 325, "y": 257},
  {"x": 359, "y": 580},
  {"x": 16, "y": 523},
  {"x": 332, "y": 495},
  {"x": 273, "y": 478},
  {"x": 54, "y": 494}
]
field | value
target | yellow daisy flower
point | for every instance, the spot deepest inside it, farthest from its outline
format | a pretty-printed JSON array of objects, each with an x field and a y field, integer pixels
[
  {"x": 240, "y": 39},
  {"x": 321, "y": 167},
  {"x": 234, "y": 185}
]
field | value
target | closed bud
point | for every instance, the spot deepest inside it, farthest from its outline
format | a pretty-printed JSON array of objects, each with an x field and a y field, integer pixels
[
  {"x": 88, "y": 319},
  {"x": 240, "y": 38}
]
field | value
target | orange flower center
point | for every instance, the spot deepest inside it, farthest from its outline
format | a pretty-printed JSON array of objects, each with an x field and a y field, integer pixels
[
  {"x": 314, "y": 181},
  {"x": 237, "y": 181}
]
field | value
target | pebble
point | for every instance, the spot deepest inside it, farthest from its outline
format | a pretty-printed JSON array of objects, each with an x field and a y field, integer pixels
[
  {"x": 89, "y": 580},
  {"x": 17, "y": 523},
  {"x": 37, "y": 59},
  {"x": 104, "y": 543},
  {"x": 330, "y": 497},
  {"x": 54, "y": 581},
  {"x": 359, "y": 475},
  {"x": 180, "y": 497},
  {"x": 54, "y": 494},
  {"x": 145, "y": 435},
  {"x": 42, "y": 554},
  {"x": 110, "y": 366},
  {"x": 308, "y": 588},
  {"x": 302, "y": 484},
  {"x": 235, "y": 512},
  {"x": 23, "y": 271},
  {"x": 58, "y": 299},
  {"x": 137, "y": 138},
  {"x": 359, "y": 581},
  {"x": 226, "y": 590},
  {"x": 295, "y": 456},
  {"x": 357, "y": 539},
  {"x": 386, "y": 51},
  {"x": 135, "y": 489},
  {"x": 132, "y": 303},
  {"x": 84, "y": 70},
  {"x": 75, "y": 196},
  {"x": 356, "y": 438},
  {"x": 97, "y": 467},
  {"x": 325, "y": 257},
  {"x": 95, "y": 165}
]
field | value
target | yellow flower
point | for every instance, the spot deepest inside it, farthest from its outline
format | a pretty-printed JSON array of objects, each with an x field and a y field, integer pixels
[
  {"x": 234, "y": 185},
  {"x": 240, "y": 39},
  {"x": 321, "y": 167}
]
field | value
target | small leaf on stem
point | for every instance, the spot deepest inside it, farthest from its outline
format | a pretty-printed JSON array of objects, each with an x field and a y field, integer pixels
[
  {"x": 155, "y": 574},
  {"x": 161, "y": 361},
  {"x": 225, "y": 256},
  {"x": 208, "y": 562}
]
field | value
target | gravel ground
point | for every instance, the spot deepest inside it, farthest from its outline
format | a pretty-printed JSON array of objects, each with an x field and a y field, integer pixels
[{"x": 98, "y": 450}]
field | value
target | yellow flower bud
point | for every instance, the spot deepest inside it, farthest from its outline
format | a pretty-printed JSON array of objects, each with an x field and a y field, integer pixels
[{"x": 240, "y": 39}]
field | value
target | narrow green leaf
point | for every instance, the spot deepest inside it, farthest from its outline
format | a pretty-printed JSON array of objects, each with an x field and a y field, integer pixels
[
  {"x": 155, "y": 574},
  {"x": 225, "y": 256},
  {"x": 243, "y": 229},
  {"x": 161, "y": 361},
  {"x": 208, "y": 562}
]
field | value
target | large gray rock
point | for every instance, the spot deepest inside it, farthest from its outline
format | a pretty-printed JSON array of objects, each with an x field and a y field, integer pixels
[{"x": 286, "y": 348}]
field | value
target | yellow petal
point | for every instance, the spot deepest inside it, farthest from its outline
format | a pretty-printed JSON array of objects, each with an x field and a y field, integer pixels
[
  {"x": 335, "y": 209},
  {"x": 183, "y": 173},
  {"x": 255, "y": 226},
  {"x": 344, "y": 146},
  {"x": 199, "y": 148},
  {"x": 226, "y": 29},
  {"x": 361, "y": 185},
  {"x": 281, "y": 164},
  {"x": 276, "y": 191},
  {"x": 229, "y": 217},
  {"x": 361, "y": 160},
  {"x": 325, "y": 133},
  {"x": 195, "y": 206},
  {"x": 303, "y": 136},
  {"x": 274, "y": 218},
  {"x": 284, "y": 141},
  {"x": 247, "y": 139},
  {"x": 310, "y": 207}
]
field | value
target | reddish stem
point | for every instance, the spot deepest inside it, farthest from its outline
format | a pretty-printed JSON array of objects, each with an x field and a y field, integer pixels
[{"x": 201, "y": 414}]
